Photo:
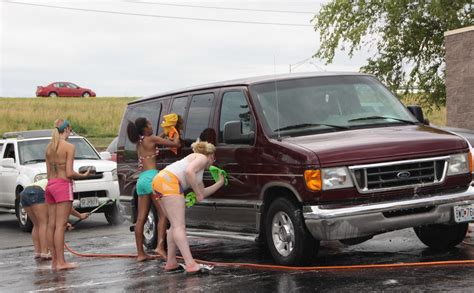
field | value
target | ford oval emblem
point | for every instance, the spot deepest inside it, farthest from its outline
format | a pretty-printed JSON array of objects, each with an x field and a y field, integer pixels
[{"x": 403, "y": 174}]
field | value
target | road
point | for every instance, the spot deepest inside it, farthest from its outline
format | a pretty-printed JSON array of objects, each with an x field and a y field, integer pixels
[{"x": 20, "y": 272}]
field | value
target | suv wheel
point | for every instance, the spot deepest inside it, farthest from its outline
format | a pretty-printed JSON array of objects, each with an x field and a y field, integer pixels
[
  {"x": 113, "y": 215},
  {"x": 23, "y": 220},
  {"x": 441, "y": 236},
  {"x": 150, "y": 235},
  {"x": 287, "y": 238}
]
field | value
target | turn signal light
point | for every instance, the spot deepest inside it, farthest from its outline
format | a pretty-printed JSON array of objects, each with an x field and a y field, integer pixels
[
  {"x": 313, "y": 179},
  {"x": 470, "y": 162}
]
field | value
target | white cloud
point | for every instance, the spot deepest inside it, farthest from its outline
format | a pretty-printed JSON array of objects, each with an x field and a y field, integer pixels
[{"x": 120, "y": 55}]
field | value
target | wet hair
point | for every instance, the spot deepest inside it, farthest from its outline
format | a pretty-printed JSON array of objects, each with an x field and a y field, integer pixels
[
  {"x": 59, "y": 126},
  {"x": 135, "y": 130},
  {"x": 203, "y": 147}
]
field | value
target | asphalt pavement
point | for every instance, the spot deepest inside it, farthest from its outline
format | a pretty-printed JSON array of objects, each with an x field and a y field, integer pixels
[{"x": 21, "y": 273}]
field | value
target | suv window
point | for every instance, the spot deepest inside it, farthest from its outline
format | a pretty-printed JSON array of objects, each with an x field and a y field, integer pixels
[
  {"x": 9, "y": 151},
  {"x": 151, "y": 111},
  {"x": 198, "y": 118},
  {"x": 235, "y": 108}
]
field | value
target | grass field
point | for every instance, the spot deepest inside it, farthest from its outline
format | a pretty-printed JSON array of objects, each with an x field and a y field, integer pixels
[{"x": 98, "y": 119}]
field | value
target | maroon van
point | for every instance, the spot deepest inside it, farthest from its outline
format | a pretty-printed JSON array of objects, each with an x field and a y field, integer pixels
[{"x": 311, "y": 157}]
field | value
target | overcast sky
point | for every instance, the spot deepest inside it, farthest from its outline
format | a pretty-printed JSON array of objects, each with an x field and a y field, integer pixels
[{"x": 136, "y": 50}]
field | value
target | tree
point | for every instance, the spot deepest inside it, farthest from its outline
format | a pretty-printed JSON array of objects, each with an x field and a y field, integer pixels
[{"x": 408, "y": 35}]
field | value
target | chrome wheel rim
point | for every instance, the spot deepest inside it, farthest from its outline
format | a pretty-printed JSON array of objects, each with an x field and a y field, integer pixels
[
  {"x": 22, "y": 215},
  {"x": 149, "y": 227},
  {"x": 283, "y": 233},
  {"x": 86, "y": 95}
]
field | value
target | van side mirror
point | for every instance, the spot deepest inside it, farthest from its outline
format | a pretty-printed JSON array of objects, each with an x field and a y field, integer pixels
[
  {"x": 418, "y": 113},
  {"x": 233, "y": 134},
  {"x": 8, "y": 163}
]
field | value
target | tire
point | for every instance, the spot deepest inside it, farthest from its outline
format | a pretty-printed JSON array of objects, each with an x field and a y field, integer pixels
[
  {"x": 86, "y": 95},
  {"x": 52, "y": 95},
  {"x": 441, "y": 237},
  {"x": 23, "y": 220},
  {"x": 113, "y": 215},
  {"x": 288, "y": 240},
  {"x": 150, "y": 234}
]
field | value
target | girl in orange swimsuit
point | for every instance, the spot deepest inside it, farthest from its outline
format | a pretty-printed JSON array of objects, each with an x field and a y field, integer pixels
[{"x": 169, "y": 185}]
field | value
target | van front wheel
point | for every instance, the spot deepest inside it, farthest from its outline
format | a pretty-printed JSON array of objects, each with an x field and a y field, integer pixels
[
  {"x": 442, "y": 236},
  {"x": 287, "y": 238}
]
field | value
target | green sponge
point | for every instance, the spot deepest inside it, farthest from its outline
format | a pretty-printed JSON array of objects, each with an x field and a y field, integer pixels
[
  {"x": 215, "y": 174},
  {"x": 190, "y": 199}
]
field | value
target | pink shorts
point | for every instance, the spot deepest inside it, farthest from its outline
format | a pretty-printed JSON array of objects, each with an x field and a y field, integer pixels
[{"x": 58, "y": 190}]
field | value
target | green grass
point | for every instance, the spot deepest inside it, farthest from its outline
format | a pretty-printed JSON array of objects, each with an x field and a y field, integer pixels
[{"x": 98, "y": 119}]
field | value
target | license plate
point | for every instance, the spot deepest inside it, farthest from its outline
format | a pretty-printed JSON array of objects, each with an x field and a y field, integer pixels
[
  {"x": 464, "y": 213},
  {"x": 88, "y": 202}
]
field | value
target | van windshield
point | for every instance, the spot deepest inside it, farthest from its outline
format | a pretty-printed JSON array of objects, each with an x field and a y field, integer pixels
[
  {"x": 33, "y": 151},
  {"x": 330, "y": 103}
]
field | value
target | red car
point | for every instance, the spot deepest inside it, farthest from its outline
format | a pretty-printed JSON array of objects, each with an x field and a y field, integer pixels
[{"x": 63, "y": 89}]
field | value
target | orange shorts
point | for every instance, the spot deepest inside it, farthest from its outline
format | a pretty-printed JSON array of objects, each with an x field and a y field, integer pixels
[{"x": 166, "y": 183}]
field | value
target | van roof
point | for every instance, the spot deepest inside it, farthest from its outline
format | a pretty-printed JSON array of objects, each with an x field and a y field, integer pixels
[{"x": 248, "y": 81}]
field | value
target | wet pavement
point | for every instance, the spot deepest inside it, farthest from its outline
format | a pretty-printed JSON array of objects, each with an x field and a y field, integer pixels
[{"x": 20, "y": 272}]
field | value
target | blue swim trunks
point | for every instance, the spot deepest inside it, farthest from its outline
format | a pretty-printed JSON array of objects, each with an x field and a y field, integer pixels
[
  {"x": 144, "y": 182},
  {"x": 32, "y": 195}
]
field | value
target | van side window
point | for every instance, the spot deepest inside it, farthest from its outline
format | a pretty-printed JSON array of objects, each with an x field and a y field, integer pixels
[
  {"x": 179, "y": 106},
  {"x": 235, "y": 108},
  {"x": 198, "y": 119},
  {"x": 9, "y": 152},
  {"x": 151, "y": 111}
]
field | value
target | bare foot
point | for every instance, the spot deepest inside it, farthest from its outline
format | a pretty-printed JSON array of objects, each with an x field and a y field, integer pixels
[
  {"x": 37, "y": 255},
  {"x": 170, "y": 266},
  {"x": 193, "y": 268},
  {"x": 161, "y": 252},
  {"x": 67, "y": 266},
  {"x": 143, "y": 257},
  {"x": 45, "y": 256}
]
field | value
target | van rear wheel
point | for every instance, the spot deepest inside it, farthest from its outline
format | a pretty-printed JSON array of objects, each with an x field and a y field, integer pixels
[
  {"x": 288, "y": 240},
  {"x": 442, "y": 236},
  {"x": 150, "y": 234}
]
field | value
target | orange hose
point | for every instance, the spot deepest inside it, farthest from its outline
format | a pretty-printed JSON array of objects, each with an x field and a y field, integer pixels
[{"x": 289, "y": 268}]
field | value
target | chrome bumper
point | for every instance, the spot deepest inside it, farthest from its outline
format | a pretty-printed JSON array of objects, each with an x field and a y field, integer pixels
[{"x": 326, "y": 223}]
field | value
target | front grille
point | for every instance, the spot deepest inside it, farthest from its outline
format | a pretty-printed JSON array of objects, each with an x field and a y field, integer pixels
[
  {"x": 95, "y": 193},
  {"x": 98, "y": 175},
  {"x": 399, "y": 175}
]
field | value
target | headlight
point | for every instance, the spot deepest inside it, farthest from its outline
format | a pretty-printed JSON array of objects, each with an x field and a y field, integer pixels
[
  {"x": 459, "y": 164},
  {"x": 328, "y": 178},
  {"x": 40, "y": 176},
  {"x": 114, "y": 175},
  {"x": 334, "y": 178}
]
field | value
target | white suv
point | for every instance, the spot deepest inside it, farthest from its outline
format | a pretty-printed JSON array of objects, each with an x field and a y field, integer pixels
[{"x": 22, "y": 162}]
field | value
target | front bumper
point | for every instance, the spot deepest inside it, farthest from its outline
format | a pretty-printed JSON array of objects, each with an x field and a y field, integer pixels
[
  {"x": 326, "y": 223},
  {"x": 110, "y": 187}
]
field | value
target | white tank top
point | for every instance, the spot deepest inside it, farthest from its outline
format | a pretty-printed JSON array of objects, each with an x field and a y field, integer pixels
[{"x": 178, "y": 168}]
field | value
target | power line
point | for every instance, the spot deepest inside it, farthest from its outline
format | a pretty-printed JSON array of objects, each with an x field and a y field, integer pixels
[
  {"x": 158, "y": 16},
  {"x": 221, "y": 8}
]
